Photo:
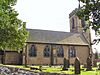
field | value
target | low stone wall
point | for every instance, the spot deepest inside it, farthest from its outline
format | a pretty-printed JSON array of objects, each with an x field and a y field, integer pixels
[
  {"x": 4, "y": 70},
  {"x": 47, "y": 73}
]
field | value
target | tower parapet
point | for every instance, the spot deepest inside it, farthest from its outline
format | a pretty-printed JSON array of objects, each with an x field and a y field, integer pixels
[{"x": 73, "y": 12}]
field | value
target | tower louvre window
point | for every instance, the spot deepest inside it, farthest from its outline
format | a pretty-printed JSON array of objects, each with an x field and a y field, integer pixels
[
  {"x": 73, "y": 23},
  {"x": 83, "y": 22}
]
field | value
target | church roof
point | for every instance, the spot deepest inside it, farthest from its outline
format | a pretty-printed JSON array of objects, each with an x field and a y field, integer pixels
[{"x": 55, "y": 37}]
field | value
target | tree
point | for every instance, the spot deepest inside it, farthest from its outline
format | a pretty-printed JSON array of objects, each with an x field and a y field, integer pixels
[
  {"x": 90, "y": 12},
  {"x": 13, "y": 33}
]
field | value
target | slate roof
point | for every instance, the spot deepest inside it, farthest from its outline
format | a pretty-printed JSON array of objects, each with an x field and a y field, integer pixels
[{"x": 55, "y": 37}]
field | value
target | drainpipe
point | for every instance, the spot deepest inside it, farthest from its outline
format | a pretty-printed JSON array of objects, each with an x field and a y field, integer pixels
[{"x": 51, "y": 57}]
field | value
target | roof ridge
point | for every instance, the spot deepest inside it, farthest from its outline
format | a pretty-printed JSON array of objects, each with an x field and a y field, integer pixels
[
  {"x": 48, "y": 30},
  {"x": 55, "y": 31}
]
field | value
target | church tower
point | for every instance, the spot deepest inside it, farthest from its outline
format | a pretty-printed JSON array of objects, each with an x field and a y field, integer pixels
[{"x": 77, "y": 26}]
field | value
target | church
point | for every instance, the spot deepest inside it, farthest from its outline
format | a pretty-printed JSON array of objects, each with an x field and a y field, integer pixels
[{"x": 45, "y": 47}]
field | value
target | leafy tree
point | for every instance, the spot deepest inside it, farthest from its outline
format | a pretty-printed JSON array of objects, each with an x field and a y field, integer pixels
[
  {"x": 89, "y": 10},
  {"x": 13, "y": 33}
]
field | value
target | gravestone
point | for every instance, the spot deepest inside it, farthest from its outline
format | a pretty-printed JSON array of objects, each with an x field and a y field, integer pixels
[
  {"x": 89, "y": 64},
  {"x": 85, "y": 66},
  {"x": 77, "y": 66},
  {"x": 94, "y": 63},
  {"x": 66, "y": 64},
  {"x": 99, "y": 67}
]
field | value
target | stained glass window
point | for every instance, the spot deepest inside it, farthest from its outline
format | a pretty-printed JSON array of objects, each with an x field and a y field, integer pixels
[
  {"x": 72, "y": 51},
  {"x": 60, "y": 51},
  {"x": 32, "y": 51},
  {"x": 46, "y": 51}
]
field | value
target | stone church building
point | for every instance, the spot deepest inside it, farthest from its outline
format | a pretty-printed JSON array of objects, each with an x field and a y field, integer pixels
[{"x": 44, "y": 47}]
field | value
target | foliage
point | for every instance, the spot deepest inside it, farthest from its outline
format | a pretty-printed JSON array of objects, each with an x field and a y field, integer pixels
[
  {"x": 13, "y": 33},
  {"x": 90, "y": 12}
]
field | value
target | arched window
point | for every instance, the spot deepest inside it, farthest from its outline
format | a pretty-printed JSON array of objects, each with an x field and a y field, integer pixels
[
  {"x": 60, "y": 51},
  {"x": 73, "y": 23},
  {"x": 46, "y": 51},
  {"x": 83, "y": 22},
  {"x": 32, "y": 51},
  {"x": 72, "y": 52}
]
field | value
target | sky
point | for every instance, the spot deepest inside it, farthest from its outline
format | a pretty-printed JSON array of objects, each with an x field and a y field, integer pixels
[{"x": 47, "y": 14}]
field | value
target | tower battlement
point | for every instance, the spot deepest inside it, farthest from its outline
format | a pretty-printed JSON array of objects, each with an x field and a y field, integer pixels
[{"x": 73, "y": 12}]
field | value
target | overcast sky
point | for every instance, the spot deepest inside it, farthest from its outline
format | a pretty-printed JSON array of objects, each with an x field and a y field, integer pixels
[{"x": 46, "y": 14}]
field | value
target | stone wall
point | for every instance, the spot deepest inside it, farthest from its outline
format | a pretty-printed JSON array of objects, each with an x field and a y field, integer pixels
[
  {"x": 82, "y": 52},
  {"x": 4, "y": 70},
  {"x": 39, "y": 59},
  {"x": 12, "y": 57},
  {"x": 1, "y": 59}
]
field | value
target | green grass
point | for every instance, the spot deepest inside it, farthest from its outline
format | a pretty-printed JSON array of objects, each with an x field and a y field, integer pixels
[
  {"x": 58, "y": 69},
  {"x": 90, "y": 72}
]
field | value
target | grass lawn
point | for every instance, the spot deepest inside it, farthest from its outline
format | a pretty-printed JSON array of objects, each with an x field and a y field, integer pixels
[
  {"x": 71, "y": 71},
  {"x": 58, "y": 69}
]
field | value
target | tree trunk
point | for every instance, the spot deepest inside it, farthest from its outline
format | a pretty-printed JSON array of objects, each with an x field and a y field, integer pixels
[
  {"x": 4, "y": 58},
  {"x": 26, "y": 55}
]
